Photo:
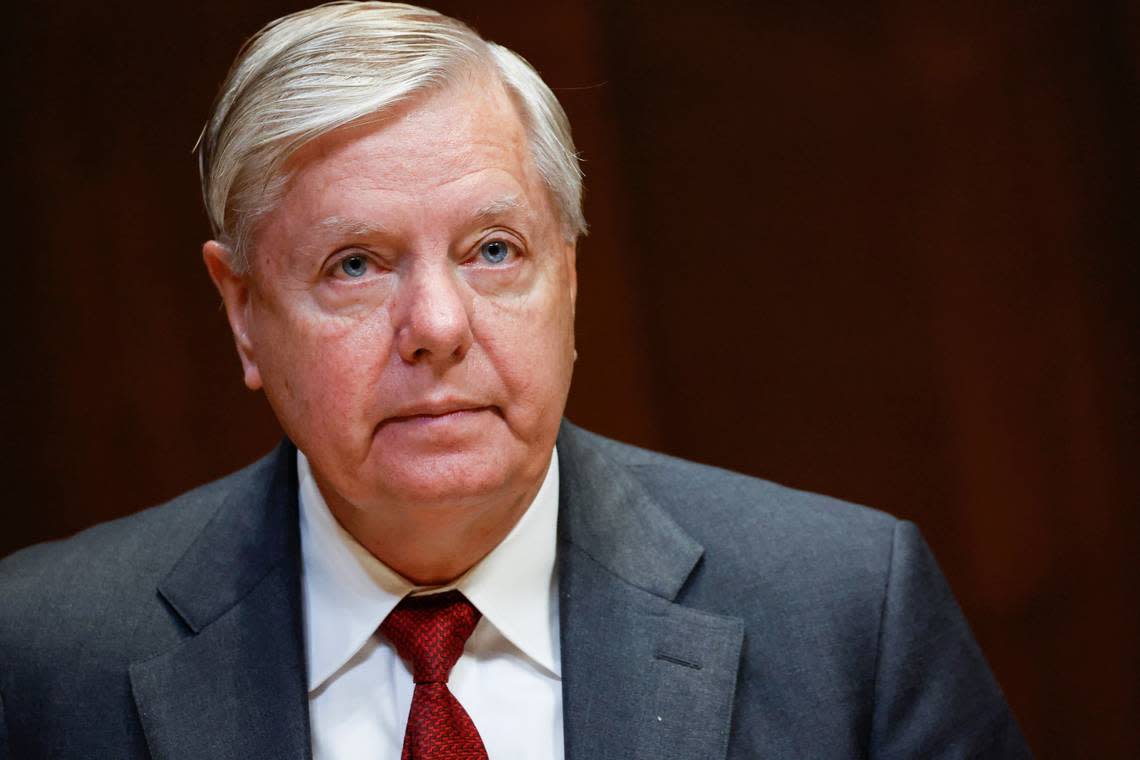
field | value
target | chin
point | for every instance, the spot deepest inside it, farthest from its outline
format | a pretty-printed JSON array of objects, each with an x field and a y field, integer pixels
[{"x": 454, "y": 479}]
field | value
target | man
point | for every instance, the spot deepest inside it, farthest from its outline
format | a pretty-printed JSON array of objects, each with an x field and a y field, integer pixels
[{"x": 434, "y": 564}]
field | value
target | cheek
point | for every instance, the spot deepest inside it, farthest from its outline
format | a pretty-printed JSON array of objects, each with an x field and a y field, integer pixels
[
  {"x": 530, "y": 344},
  {"x": 321, "y": 371}
]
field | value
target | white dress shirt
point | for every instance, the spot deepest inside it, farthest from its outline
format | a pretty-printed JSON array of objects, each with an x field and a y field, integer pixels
[{"x": 508, "y": 677}]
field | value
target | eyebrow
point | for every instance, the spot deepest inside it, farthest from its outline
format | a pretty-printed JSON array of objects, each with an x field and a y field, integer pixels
[
  {"x": 352, "y": 227},
  {"x": 499, "y": 207}
]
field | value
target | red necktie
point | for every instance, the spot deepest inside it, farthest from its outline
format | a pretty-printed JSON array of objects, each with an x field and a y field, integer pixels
[{"x": 429, "y": 632}]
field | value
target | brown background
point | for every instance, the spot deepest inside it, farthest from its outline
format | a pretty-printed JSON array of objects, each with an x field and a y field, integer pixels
[{"x": 883, "y": 250}]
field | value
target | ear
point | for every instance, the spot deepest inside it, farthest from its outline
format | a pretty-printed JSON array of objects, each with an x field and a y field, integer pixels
[
  {"x": 234, "y": 289},
  {"x": 571, "y": 254}
]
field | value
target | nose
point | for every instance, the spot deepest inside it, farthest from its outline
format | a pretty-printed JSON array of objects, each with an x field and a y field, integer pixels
[{"x": 433, "y": 324}]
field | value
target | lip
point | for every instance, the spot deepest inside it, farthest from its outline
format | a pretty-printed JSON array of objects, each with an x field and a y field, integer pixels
[{"x": 428, "y": 410}]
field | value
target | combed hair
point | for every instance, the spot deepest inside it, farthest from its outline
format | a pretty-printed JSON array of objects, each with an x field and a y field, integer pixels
[{"x": 309, "y": 73}]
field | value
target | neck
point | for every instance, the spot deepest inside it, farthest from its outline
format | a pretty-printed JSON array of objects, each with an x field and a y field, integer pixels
[{"x": 432, "y": 545}]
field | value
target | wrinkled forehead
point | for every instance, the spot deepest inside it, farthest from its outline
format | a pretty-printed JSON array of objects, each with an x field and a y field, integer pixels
[
  {"x": 471, "y": 130},
  {"x": 476, "y": 95}
]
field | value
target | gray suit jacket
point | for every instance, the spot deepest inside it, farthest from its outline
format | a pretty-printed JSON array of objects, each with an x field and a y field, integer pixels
[{"x": 704, "y": 615}]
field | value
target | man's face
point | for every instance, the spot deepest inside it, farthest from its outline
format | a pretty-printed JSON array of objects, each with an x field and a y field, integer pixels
[{"x": 410, "y": 307}]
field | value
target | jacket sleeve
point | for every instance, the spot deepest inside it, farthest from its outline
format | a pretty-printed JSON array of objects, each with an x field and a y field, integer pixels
[
  {"x": 3, "y": 731},
  {"x": 934, "y": 694}
]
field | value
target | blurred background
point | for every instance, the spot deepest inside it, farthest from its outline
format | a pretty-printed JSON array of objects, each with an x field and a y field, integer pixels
[{"x": 884, "y": 250}]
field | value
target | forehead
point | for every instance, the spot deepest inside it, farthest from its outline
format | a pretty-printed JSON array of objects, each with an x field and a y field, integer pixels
[{"x": 466, "y": 141}]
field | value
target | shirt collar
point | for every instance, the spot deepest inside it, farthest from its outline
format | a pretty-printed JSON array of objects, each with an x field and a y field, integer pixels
[{"x": 348, "y": 592}]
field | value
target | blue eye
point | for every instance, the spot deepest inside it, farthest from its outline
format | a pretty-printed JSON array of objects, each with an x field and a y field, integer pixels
[
  {"x": 354, "y": 266},
  {"x": 495, "y": 251}
]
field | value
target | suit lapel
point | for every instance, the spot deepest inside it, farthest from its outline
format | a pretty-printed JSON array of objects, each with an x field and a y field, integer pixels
[
  {"x": 643, "y": 676},
  {"x": 236, "y": 687}
]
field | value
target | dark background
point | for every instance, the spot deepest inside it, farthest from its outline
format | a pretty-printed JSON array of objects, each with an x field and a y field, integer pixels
[{"x": 882, "y": 250}]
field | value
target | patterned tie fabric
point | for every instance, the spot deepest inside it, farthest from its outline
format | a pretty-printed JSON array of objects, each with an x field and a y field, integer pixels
[{"x": 429, "y": 632}]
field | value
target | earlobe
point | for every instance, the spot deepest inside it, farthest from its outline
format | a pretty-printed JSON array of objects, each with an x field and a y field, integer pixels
[{"x": 233, "y": 286}]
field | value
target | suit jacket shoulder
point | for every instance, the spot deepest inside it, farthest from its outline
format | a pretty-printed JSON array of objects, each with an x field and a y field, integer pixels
[
  {"x": 753, "y": 520},
  {"x": 91, "y": 579},
  {"x": 852, "y": 645},
  {"x": 77, "y": 614}
]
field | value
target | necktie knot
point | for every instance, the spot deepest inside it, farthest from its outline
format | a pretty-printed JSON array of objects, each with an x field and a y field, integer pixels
[{"x": 430, "y": 632}]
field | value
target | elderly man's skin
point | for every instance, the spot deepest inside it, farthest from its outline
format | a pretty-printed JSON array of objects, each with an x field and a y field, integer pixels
[{"x": 409, "y": 313}]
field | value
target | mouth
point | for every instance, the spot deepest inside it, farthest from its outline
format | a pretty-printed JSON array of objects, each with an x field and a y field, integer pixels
[{"x": 431, "y": 412}]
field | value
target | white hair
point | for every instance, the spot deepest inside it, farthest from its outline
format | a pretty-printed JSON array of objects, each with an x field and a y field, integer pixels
[{"x": 309, "y": 73}]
